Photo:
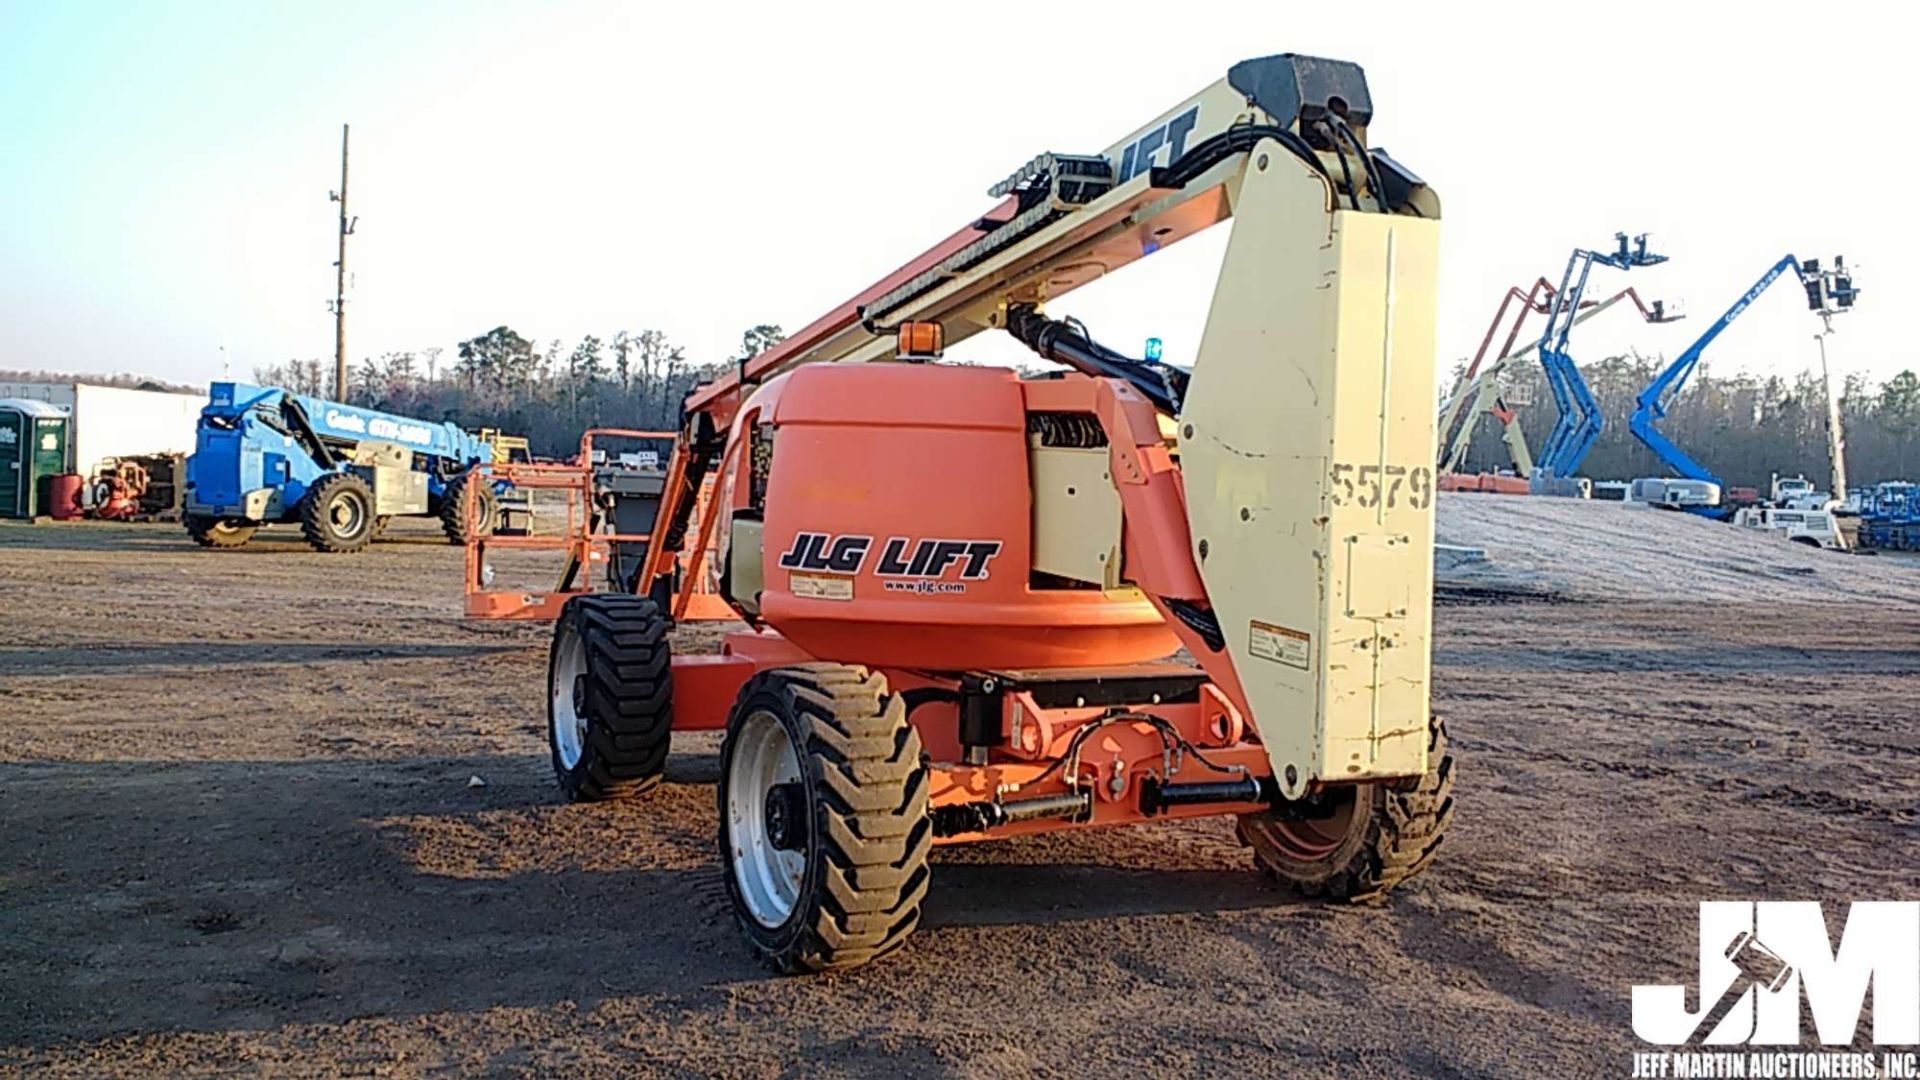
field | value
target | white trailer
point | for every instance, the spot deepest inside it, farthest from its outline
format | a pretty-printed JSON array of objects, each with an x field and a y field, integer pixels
[{"x": 111, "y": 421}]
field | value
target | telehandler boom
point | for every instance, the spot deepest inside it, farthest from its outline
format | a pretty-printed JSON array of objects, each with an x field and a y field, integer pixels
[{"x": 980, "y": 605}]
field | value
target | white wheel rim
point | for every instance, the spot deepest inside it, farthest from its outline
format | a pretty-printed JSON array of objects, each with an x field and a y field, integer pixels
[
  {"x": 569, "y": 723},
  {"x": 769, "y": 879},
  {"x": 346, "y": 514}
]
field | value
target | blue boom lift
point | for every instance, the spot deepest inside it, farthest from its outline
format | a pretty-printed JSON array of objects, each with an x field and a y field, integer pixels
[
  {"x": 264, "y": 455},
  {"x": 1579, "y": 422},
  {"x": 1826, "y": 294}
]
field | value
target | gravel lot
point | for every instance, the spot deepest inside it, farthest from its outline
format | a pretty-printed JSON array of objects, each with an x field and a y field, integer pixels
[{"x": 237, "y": 835}]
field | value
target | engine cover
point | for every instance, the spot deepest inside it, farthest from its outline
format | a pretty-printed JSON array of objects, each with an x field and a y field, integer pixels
[{"x": 899, "y": 528}]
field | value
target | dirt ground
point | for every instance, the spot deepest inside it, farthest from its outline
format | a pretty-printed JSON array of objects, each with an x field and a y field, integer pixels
[{"x": 238, "y": 834}]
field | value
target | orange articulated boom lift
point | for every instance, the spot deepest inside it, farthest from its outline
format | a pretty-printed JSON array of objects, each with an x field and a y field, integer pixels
[{"x": 980, "y": 605}]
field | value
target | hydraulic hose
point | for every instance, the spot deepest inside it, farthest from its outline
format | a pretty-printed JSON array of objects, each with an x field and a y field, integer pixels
[
  {"x": 1214, "y": 149},
  {"x": 1346, "y": 172},
  {"x": 1367, "y": 163},
  {"x": 1162, "y": 384}
]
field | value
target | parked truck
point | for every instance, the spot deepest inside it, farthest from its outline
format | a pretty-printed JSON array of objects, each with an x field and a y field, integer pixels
[{"x": 263, "y": 455}]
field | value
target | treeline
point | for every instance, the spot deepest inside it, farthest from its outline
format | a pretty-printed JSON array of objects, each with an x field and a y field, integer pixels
[
  {"x": 122, "y": 380},
  {"x": 550, "y": 393},
  {"x": 1744, "y": 428}
]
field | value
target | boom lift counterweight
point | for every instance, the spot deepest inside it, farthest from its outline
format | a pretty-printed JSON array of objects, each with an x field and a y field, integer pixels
[{"x": 964, "y": 588}]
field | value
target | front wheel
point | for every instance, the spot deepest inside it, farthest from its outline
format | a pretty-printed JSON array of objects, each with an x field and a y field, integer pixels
[
  {"x": 609, "y": 696},
  {"x": 1365, "y": 840},
  {"x": 823, "y": 817},
  {"x": 220, "y": 532},
  {"x": 337, "y": 515},
  {"x": 461, "y": 522}
]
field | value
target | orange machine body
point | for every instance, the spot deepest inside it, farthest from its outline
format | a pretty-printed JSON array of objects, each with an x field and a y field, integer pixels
[{"x": 891, "y": 535}]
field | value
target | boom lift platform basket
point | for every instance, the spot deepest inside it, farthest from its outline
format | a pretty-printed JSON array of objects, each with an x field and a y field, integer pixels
[{"x": 598, "y": 505}]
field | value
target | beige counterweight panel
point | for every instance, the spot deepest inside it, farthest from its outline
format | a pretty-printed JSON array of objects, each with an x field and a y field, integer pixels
[{"x": 1306, "y": 445}]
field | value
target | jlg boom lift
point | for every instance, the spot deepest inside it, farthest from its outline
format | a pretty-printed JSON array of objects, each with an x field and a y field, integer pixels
[{"x": 964, "y": 590}]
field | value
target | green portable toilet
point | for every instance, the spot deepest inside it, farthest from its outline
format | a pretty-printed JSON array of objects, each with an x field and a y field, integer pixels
[{"x": 33, "y": 445}]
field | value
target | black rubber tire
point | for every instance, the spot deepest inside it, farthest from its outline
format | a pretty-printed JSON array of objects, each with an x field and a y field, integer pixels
[
  {"x": 863, "y": 774},
  {"x": 625, "y": 695},
  {"x": 317, "y": 522},
  {"x": 1393, "y": 835},
  {"x": 220, "y": 532},
  {"x": 454, "y": 516}
]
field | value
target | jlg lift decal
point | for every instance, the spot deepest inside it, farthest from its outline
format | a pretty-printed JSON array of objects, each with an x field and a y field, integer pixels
[
  {"x": 1138, "y": 155},
  {"x": 909, "y": 565}
]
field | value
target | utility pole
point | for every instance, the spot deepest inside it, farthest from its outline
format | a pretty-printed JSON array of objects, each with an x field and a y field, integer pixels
[
  {"x": 1836, "y": 438},
  {"x": 1831, "y": 292},
  {"x": 340, "y": 279}
]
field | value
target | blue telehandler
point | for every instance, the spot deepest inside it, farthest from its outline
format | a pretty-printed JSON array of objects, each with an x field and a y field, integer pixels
[{"x": 263, "y": 455}]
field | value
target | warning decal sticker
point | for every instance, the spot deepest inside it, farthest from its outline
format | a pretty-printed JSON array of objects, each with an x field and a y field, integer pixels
[
  {"x": 1279, "y": 644},
  {"x": 821, "y": 586}
]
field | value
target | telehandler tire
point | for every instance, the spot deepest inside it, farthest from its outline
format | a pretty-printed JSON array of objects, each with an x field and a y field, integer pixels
[
  {"x": 824, "y": 827},
  {"x": 609, "y": 696},
  {"x": 337, "y": 515},
  {"x": 220, "y": 532},
  {"x": 461, "y": 524},
  {"x": 1377, "y": 838}
]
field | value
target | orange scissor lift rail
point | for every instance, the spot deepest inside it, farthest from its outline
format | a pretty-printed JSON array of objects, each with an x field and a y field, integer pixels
[{"x": 587, "y": 539}]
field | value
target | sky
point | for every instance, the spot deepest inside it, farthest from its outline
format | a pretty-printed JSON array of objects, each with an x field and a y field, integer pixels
[{"x": 574, "y": 168}]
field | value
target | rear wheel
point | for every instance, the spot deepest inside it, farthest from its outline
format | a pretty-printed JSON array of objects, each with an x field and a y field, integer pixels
[
  {"x": 461, "y": 522},
  {"x": 220, "y": 532},
  {"x": 823, "y": 817},
  {"x": 1374, "y": 838},
  {"x": 338, "y": 513},
  {"x": 609, "y": 696}
]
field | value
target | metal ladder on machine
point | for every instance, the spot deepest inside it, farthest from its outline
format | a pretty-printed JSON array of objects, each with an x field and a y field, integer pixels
[{"x": 1579, "y": 421}]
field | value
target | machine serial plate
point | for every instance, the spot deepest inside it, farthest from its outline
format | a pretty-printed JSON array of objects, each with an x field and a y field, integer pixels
[
  {"x": 1267, "y": 641},
  {"x": 821, "y": 586}
]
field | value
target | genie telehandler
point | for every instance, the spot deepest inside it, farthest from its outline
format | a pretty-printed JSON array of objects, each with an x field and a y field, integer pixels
[
  {"x": 264, "y": 455},
  {"x": 979, "y": 605}
]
